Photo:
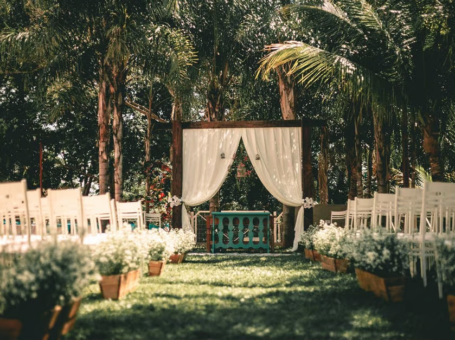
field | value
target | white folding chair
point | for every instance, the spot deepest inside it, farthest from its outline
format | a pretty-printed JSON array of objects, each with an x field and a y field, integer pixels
[
  {"x": 14, "y": 208},
  {"x": 96, "y": 209},
  {"x": 349, "y": 223},
  {"x": 439, "y": 202},
  {"x": 66, "y": 207},
  {"x": 35, "y": 211},
  {"x": 383, "y": 207},
  {"x": 363, "y": 211},
  {"x": 130, "y": 211},
  {"x": 338, "y": 216},
  {"x": 154, "y": 218}
]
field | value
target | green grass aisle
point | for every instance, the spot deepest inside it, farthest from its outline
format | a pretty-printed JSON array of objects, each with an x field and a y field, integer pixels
[{"x": 226, "y": 297}]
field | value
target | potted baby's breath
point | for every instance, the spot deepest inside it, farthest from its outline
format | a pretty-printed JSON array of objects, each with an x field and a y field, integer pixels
[
  {"x": 380, "y": 260},
  {"x": 40, "y": 290},
  {"x": 119, "y": 258},
  {"x": 445, "y": 255},
  {"x": 307, "y": 242},
  {"x": 159, "y": 248},
  {"x": 329, "y": 242},
  {"x": 183, "y": 241}
]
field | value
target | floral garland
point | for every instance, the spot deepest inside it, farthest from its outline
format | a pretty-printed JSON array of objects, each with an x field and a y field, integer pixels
[
  {"x": 308, "y": 203},
  {"x": 174, "y": 201}
]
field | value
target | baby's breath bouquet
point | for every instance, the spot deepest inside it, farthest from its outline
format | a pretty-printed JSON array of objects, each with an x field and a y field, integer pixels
[
  {"x": 159, "y": 245},
  {"x": 378, "y": 252},
  {"x": 45, "y": 276},
  {"x": 306, "y": 240},
  {"x": 330, "y": 240},
  {"x": 183, "y": 240},
  {"x": 121, "y": 252},
  {"x": 445, "y": 253}
]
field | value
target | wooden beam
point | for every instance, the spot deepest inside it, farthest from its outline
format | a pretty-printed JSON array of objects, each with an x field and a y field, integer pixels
[
  {"x": 245, "y": 124},
  {"x": 177, "y": 171}
]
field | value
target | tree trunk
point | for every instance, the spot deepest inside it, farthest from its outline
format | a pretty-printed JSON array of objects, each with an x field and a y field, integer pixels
[
  {"x": 117, "y": 87},
  {"x": 215, "y": 202},
  {"x": 288, "y": 225},
  {"x": 358, "y": 156},
  {"x": 104, "y": 135},
  {"x": 147, "y": 141},
  {"x": 323, "y": 168},
  {"x": 350, "y": 158},
  {"x": 381, "y": 153},
  {"x": 404, "y": 147},
  {"x": 413, "y": 150},
  {"x": 368, "y": 193},
  {"x": 431, "y": 148},
  {"x": 287, "y": 98}
]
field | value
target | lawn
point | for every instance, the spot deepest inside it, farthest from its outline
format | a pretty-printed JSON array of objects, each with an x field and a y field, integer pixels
[{"x": 284, "y": 297}]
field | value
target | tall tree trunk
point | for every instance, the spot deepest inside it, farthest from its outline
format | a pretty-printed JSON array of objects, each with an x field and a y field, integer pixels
[
  {"x": 368, "y": 193},
  {"x": 413, "y": 150},
  {"x": 147, "y": 142},
  {"x": 117, "y": 92},
  {"x": 323, "y": 168},
  {"x": 381, "y": 153},
  {"x": 358, "y": 155},
  {"x": 404, "y": 147},
  {"x": 104, "y": 134},
  {"x": 287, "y": 98},
  {"x": 431, "y": 148},
  {"x": 351, "y": 166}
]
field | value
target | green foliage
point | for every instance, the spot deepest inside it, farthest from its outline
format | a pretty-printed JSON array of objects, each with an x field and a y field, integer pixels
[
  {"x": 50, "y": 274},
  {"x": 330, "y": 240},
  {"x": 445, "y": 254}
]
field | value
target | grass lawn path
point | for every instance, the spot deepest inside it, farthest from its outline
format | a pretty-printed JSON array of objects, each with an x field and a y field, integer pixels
[{"x": 227, "y": 297}]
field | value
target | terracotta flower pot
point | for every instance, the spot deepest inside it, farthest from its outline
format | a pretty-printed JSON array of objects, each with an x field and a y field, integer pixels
[
  {"x": 317, "y": 256},
  {"x": 156, "y": 267},
  {"x": 177, "y": 258},
  {"x": 390, "y": 289},
  {"x": 66, "y": 319},
  {"x": 335, "y": 265},
  {"x": 117, "y": 286},
  {"x": 451, "y": 306},
  {"x": 31, "y": 327},
  {"x": 309, "y": 254}
]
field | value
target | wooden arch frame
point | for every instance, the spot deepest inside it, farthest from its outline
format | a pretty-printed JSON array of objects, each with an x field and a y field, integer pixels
[{"x": 177, "y": 148}]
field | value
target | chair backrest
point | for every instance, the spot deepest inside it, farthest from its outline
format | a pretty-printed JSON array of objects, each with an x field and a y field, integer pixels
[
  {"x": 363, "y": 210},
  {"x": 97, "y": 208},
  {"x": 154, "y": 218},
  {"x": 66, "y": 205},
  {"x": 129, "y": 211},
  {"x": 383, "y": 206},
  {"x": 408, "y": 204},
  {"x": 439, "y": 202},
  {"x": 349, "y": 223},
  {"x": 13, "y": 207},
  {"x": 35, "y": 211}
]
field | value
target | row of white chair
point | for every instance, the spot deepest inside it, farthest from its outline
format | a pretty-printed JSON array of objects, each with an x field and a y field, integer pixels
[
  {"x": 418, "y": 213},
  {"x": 63, "y": 211}
]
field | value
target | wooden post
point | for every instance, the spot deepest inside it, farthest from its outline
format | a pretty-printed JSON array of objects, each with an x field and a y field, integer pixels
[
  {"x": 306, "y": 167},
  {"x": 41, "y": 168},
  {"x": 177, "y": 171}
]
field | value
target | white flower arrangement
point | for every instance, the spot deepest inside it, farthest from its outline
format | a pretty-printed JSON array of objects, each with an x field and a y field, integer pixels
[
  {"x": 159, "y": 244},
  {"x": 378, "y": 252},
  {"x": 121, "y": 252},
  {"x": 330, "y": 240},
  {"x": 445, "y": 255},
  {"x": 50, "y": 274},
  {"x": 308, "y": 203},
  {"x": 183, "y": 240},
  {"x": 307, "y": 238},
  {"x": 174, "y": 201}
]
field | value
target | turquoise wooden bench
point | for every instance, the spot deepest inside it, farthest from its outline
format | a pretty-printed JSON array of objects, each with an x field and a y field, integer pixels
[{"x": 240, "y": 230}]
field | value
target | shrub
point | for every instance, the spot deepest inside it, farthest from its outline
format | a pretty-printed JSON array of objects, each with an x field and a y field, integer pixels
[
  {"x": 159, "y": 245},
  {"x": 378, "y": 252},
  {"x": 330, "y": 240},
  {"x": 121, "y": 252},
  {"x": 183, "y": 240},
  {"x": 307, "y": 238},
  {"x": 50, "y": 274},
  {"x": 445, "y": 252}
]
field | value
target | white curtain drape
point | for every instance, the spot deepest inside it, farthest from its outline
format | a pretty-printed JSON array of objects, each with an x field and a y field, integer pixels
[
  {"x": 276, "y": 157},
  {"x": 204, "y": 168},
  {"x": 274, "y": 152}
]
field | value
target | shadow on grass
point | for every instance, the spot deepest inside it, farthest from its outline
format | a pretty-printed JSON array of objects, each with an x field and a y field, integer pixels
[{"x": 312, "y": 304}]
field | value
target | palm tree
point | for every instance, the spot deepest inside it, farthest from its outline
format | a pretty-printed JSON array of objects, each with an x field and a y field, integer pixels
[{"x": 377, "y": 53}]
